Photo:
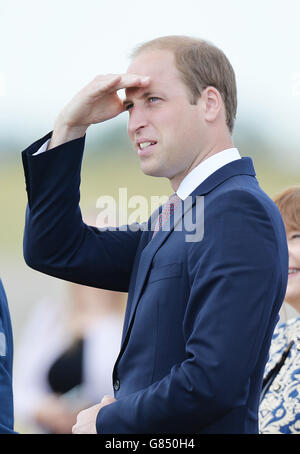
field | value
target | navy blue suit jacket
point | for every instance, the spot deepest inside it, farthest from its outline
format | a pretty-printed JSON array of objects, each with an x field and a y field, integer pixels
[
  {"x": 6, "y": 362},
  {"x": 200, "y": 315}
]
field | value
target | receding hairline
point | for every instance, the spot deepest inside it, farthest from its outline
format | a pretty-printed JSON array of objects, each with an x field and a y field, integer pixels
[
  {"x": 171, "y": 43},
  {"x": 201, "y": 64}
]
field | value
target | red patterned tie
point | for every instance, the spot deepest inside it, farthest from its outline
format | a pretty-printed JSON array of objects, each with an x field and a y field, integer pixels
[{"x": 167, "y": 211}]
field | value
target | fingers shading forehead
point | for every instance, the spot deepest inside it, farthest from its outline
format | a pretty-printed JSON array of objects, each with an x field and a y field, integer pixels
[{"x": 135, "y": 91}]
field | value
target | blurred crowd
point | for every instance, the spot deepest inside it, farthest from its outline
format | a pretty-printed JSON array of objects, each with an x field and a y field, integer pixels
[{"x": 65, "y": 358}]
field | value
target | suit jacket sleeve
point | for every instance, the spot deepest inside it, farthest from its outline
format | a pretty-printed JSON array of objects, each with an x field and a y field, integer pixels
[
  {"x": 56, "y": 240},
  {"x": 235, "y": 281},
  {"x": 6, "y": 362}
]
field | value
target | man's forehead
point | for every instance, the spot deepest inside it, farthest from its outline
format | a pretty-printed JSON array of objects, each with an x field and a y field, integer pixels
[{"x": 156, "y": 64}]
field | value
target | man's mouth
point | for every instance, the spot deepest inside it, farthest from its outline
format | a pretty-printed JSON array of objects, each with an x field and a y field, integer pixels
[{"x": 144, "y": 145}]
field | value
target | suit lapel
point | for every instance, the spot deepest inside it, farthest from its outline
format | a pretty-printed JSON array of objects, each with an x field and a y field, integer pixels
[
  {"x": 150, "y": 251},
  {"x": 242, "y": 166}
]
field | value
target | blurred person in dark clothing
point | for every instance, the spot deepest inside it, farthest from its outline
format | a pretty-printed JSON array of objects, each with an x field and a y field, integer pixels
[{"x": 6, "y": 360}]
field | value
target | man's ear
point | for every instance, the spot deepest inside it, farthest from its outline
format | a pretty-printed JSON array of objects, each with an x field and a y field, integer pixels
[{"x": 211, "y": 103}]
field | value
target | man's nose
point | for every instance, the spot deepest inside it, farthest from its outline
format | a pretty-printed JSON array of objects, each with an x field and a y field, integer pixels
[{"x": 137, "y": 120}]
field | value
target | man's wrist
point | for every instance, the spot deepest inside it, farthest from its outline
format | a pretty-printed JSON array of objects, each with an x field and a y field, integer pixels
[{"x": 65, "y": 133}]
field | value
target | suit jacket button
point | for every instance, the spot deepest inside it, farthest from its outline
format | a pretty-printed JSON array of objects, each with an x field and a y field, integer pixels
[{"x": 117, "y": 385}]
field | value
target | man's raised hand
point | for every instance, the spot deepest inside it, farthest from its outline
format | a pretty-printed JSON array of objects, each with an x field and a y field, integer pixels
[{"x": 96, "y": 102}]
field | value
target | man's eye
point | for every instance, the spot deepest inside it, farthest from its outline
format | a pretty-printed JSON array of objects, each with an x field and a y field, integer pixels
[
  {"x": 295, "y": 236},
  {"x": 153, "y": 99},
  {"x": 128, "y": 106}
]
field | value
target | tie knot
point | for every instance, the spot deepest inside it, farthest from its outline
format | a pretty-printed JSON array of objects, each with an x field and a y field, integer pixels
[
  {"x": 174, "y": 198},
  {"x": 170, "y": 204},
  {"x": 167, "y": 211}
]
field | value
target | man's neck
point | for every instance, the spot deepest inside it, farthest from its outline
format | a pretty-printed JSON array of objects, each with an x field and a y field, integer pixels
[{"x": 203, "y": 156}]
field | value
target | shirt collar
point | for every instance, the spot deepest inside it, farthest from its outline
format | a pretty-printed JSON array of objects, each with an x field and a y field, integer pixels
[{"x": 205, "y": 169}]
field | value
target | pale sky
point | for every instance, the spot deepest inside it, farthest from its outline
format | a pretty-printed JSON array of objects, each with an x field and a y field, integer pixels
[{"x": 51, "y": 48}]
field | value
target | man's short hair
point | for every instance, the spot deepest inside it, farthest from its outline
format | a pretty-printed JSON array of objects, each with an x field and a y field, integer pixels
[
  {"x": 201, "y": 65},
  {"x": 288, "y": 203}
]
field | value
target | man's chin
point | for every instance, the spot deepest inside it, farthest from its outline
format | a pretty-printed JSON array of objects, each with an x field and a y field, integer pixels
[{"x": 152, "y": 171}]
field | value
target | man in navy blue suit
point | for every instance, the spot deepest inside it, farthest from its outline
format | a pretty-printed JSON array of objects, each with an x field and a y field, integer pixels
[
  {"x": 6, "y": 361},
  {"x": 201, "y": 307}
]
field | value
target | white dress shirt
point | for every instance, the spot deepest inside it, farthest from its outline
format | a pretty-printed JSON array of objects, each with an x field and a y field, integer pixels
[
  {"x": 43, "y": 148},
  {"x": 204, "y": 170}
]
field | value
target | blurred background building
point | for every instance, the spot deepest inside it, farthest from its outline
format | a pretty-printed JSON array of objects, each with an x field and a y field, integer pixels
[{"x": 51, "y": 48}]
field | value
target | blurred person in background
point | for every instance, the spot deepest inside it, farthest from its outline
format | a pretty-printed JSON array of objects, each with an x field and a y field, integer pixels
[
  {"x": 6, "y": 363},
  {"x": 279, "y": 411},
  {"x": 65, "y": 358}
]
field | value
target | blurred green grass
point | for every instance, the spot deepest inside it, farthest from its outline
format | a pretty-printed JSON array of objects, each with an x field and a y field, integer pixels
[{"x": 103, "y": 175}]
